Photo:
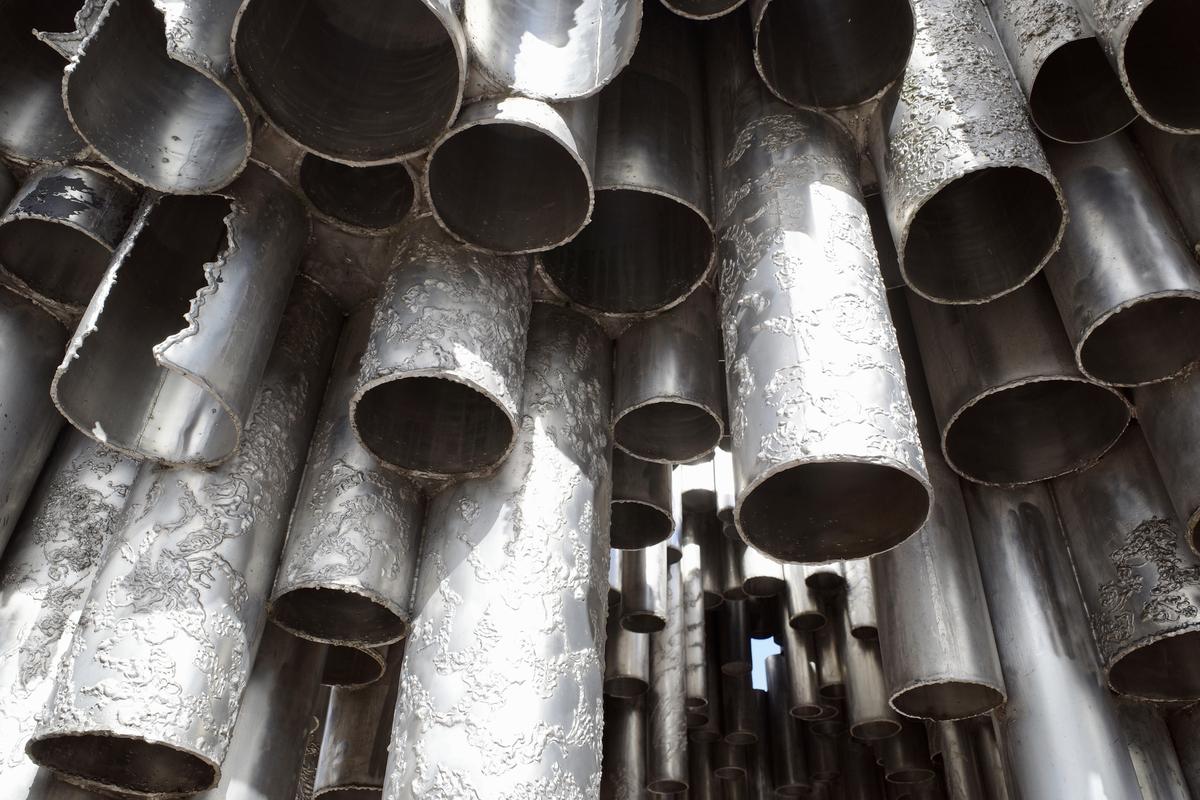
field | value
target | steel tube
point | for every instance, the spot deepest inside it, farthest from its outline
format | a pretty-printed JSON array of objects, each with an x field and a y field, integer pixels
[
  {"x": 614, "y": 582},
  {"x": 867, "y": 711},
  {"x": 762, "y": 576},
  {"x": 707, "y": 728},
  {"x": 312, "y": 745},
  {"x": 733, "y": 583},
  {"x": 1173, "y": 158},
  {"x": 439, "y": 389},
  {"x": 960, "y": 766},
  {"x": 821, "y": 753},
  {"x": 860, "y": 598},
  {"x": 623, "y": 767},
  {"x": 1125, "y": 281},
  {"x": 973, "y": 206},
  {"x": 641, "y": 502},
  {"x": 990, "y": 760},
  {"x": 805, "y": 611},
  {"x": 1168, "y": 415},
  {"x": 695, "y": 643},
  {"x": 1074, "y": 95},
  {"x": 702, "y": 9},
  {"x": 702, "y": 543},
  {"x": 737, "y": 788},
  {"x": 644, "y": 606},
  {"x": 906, "y": 755},
  {"x": 1184, "y": 725},
  {"x": 480, "y": 188},
  {"x": 666, "y": 705},
  {"x": 183, "y": 590},
  {"x": 367, "y": 201},
  {"x": 1047, "y": 651},
  {"x": 626, "y": 660},
  {"x": 350, "y": 559},
  {"x": 142, "y": 380},
  {"x": 723, "y": 480},
  {"x": 831, "y": 682},
  {"x": 786, "y": 742},
  {"x": 1011, "y": 404},
  {"x": 860, "y": 774},
  {"x": 818, "y": 410},
  {"x": 353, "y": 667},
  {"x": 734, "y": 643},
  {"x": 702, "y": 783},
  {"x": 804, "y": 699},
  {"x": 759, "y": 770},
  {"x": 739, "y": 711},
  {"x": 1159, "y": 773},
  {"x": 538, "y": 607},
  {"x": 763, "y": 617}
]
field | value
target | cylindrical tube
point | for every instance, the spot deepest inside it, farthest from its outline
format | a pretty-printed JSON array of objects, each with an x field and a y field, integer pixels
[
  {"x": 702, "y": 545},
  {"x": 165, "y": 363},
  {"x": 867, "y": 711},
  {"x": 825, "y": 579},
  {"x": 708, "y": 728},
  {"x": 1139, "y": 579},
  {"x": 1169, "y": 415},
  {"x": 787, "y": 745},
  {"x": 183, "y": 591},
  {"x": 1046, "y": 648},
  {"x": 818, "y": 409},
  {"x": 734, "y": 643},
  {"x": 614, "y": 582},
  {"x": 1074, "y": 95},
  {"x": 804, "y": 607},
  {"x": 1011, "y": 404},
  {"x": 312, "y": 745},
  {"x": 365, "y": 201},
  {"x": 821, "y": 753},
  {"x": 763, "y": 617},
  {"x": 739, "y": 712},
  {"x": 906, "y": 754},
  {"x": 960, "y": 765},
  {"x": 1184, "y": 725},
  {"x": 860, "y": 774},
  {"x": 626, "y": 660},
  {"x": 1125, "y": 280},
  {"x": 695, "y": 644},
  {"x": 702, "y": 9},
  {"x": 367, "y": 83},
  {"x": 479, "y": 184},
  {"x": 351, "y": 554},
  {"x": 723, "y": 480},
  {"x": 623, "y": 768},
  {"x": 666, "y": 709},
  {"x": 1159, "y": 773},
  {"x": 439, "y": 387},
  {"x": 641, "y": 502},
  {"x": 702, "y": 783},
  {"x": 762, "y": 576},
  {"x": 804, "y": 697},
  {"x": 731, "y": 761},
  {"x": 1174, "y": 159},
  {"x": 644, "y": 589},
  {"x": 831, "y": 682},
  {"x": 353, "y": 667},
  {"x": 990, "y": 760},
  {"x": 737, "y": 788},
  {"x": 759, "y": 769},
  {"x": 953, "y": 156},
  {"x": 860, "y": 597},
  {"x": 538, "y": 607},
  {"x": 695, "y": 484}
]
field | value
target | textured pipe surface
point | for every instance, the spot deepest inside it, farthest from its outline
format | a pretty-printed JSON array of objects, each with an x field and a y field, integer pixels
[
  {"x": 480, "y": 188},
  {"x": 1174, "y": 159},
  {"x": 1139, "y": 579},
  {"x": 1047, "y": 651},
  {"x": 47, "y": 572},
  {"x": 626, "y": 660},
  {"x": 183, "y": 590},
  {"x": 644, "y": 604},
  {"x": 860, "y": 596},
  {"x": 695, "y": 643},
  {"x": 818, "y": 408},
  {"x": 804, "y": 608},
  {"x": 60, "y": 229},
  {"x": 439, "y": 387},
  {"x": 31, "y": 342},
  {"x": 538, "y": 610},
  {"x": 804, "y": 697},
  {"x": 151, "y": 88},
  {"x": 867, "y": 711},
  {"x": 1184, "y": 725},
  {"x": 787, "y": 745},
  {"x": 1125, "y": 281},
  {"x": 623, "y": 768},
  {"x": 666, "y": 703},
  {"x": 723, "y": 480},
  {"x": 367, "y": 83},
  {"x": 1074, "y": 95},
  {"x": 351, "y": 555},
  {"x": 312, "y": 745},
  {"x": 1169, "y": 415},
  {"x": 1159, "y": 773},
  {"x": 641, "y": 501},
  {"x": 1011, "y": 403},
  {"x": 139, "y": 379},
  {"x": 973, "y": 206}
]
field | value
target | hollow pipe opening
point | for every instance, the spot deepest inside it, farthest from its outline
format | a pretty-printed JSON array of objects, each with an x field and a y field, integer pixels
[
  {"x": 1162, "y": 63},
  {"x": 669, "y": 430},
  {"x": 642, "y": 622},
  {"x": 370, "y": 198},
  {"x": 1162, "y": 670},
  {"x": 808, "y": 621},
  {"x": 111, "y": 759},
  {"x": 947, "y": 700},
  {"x": 635, "y": 524},
  {"x": 1077, "y": 97},
  {"x": 625, "y": 686},
  {"x": 702, "y": 9},
  {"x": 1154, "y": 339},
  {"x": 350, "y": 793},
  {"x": 352, "y": 667},
  {"x": 56, "y": 260},
  {"x": 330, "y": 615},
  {"x": 875, "y": 729}
]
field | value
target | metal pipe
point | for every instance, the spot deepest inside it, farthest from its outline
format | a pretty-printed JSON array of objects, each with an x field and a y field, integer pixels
[
  {"x": 353, "y": 667},
  {"x": 733, "y": 583},
  {"x": 804, "y": 698},
  {"x": 1159, "y": 773},
  {"x": 694, "y": 640},
  {"x": 960, "y": 766},
  {"x": 1173, "y": 158},
  {"x": 1184, "y": 724},
  {"x": 480, "y": 188},
  {"x": 737, "y": 788},
  {"x": 1130, "y": 300},
  {"x": 439, "y": 389},
  {"x": 860, "y": 598},
  {"x": 626, "y": 660},
  {"x": 1074, "y": 95},
  {"x": 614, "y": 582},
  {"x": 821, "y": 753},
  {"x": 973, "y": 206},
  {"x": 702, "y": 543},
  {"x": 641, "y": 502},
  {"x": 695, "y": 484},
  {"x": 723, "y": 480},
  {"x": 867, "y": 711},
  {"x": 59, "y": 232},
  {"x": 831, "y": 681},
  {"x": 906, "y": 754},
  {"x": 1169, "y": 415},
  {"x": 762, "y": 576},
  {"x": 365, "y": 201},
  {"x": 705, "y": 724},
  {"x": 1011, "y": 404},
  {"x": 763, "y": 617},
  {"x": 541, "y": 598},
  {"x": 666, "y": 705},
  {"x": 734, "y": 643},
  {"x": 1139, "y": 579},
  {"x": 702, "y": 9},
  {"x": 760, "y": 773},
  {"x": 990, "y": 760},
  {"x": 623, "y": 768},
  {"x": 350, "y": 560},
  {"x": 183, "y": 590},
  {"x": 1047, "y": 651},
  {"x": 804, "y": 608},
  {"x": 157, "y": 368},
  {"x": 787, "y": 746},
  {"x": 819, "y": 414},
  {"x": 739, "y": 712},
  {"x": 702, "y": 783},
  {"x": 860, "y": 774},
  {"x": 731, "y": 762},
  {"x": 644, "y": 607}
]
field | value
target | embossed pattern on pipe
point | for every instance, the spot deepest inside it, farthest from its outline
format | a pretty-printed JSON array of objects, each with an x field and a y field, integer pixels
[{"x": 1169, "y": 416}]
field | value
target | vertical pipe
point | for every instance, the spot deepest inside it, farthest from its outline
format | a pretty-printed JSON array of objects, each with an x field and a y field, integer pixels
[
  {"x": 644, "y": 588},
  {"x": 623, "y": 767},
  {"x": 804, "y": 698},
  {"x": 860, "y": 597},
  {"x": 762, "y": 576},
  {"x": 867, "y": 711},
  {"x": 734, "y": 644},
  {"x": 960, "y": 765},
  {"x": 1159, "y": 773},
  {"x": 641, "y": 502},
  {"x": 739, "y": 714},
  {"x": 906, "y": 755},
  {"x": 702, "y": 783},
  {"x": 1169, "y": 415},
  {"x": 626, "y": 660},
  {"x": 1184, "y": 725},
  {"x": 804, "y": 608},
  {"x": 694, "y": 641},
  {"x": 786, "y": 742},
  {"x": 666, "y": 762}
]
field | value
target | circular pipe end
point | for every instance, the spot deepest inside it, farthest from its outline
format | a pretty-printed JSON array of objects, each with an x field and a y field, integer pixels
[
  {"x": 57, "y": 260},
  {"x": 666, "y": 786},
  {"x": 806, "y": 711},
  {"x": 763, "y": 586},
  {"x": 741, "y": 738},
  {"x": 370, "y": 200},
  {"x": 642, "y": 622},
  {"x": 352, "y": 667},
  {"x": 1161, "y": 64},
  {"x": 336, "y": 615},
  {"x": 634, "y": 524},
  {"x": 808, "y": 621},
  {"x": 112, "y": 760},
  {"x": 1159, "y": 670},
  {"x": 1152, "y": 339},
  {"x": 673, "y": 431},
  {"x": 947, "y": 699},
  {"x": 624, "y": 686},
  {"x": 1077, "y": 97}
]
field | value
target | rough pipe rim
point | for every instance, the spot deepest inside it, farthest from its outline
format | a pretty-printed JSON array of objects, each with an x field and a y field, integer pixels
[
  {"x": 1076, "y": 97},
  {"x": 1160, "y": 29},
  {"x": 708, "y": 9},
  {"x": 323, "y": 182},
  {"x": 1138, "y": 670},
  {"x": 319, "y": 611},
  {"x": 1163, "y": 327},
  {"x": 702, "y": 427},
  {"x": 961, "y": 698},
  {"x": 192, "y": 771},
  {"x": 352, "y": 666}
]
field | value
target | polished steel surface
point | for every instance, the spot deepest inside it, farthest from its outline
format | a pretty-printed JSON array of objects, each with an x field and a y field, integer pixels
[
  {"x": 759, "y": 772},
  {"x": 1159, "y": 773},
  {"x": 730, "y": 762},
  {"x": 626, "y": 659},
  {"x": 831, "y": 675},
  {"x": 867, "y": 711},
  {"x": 1169, "y": 416},
  {"x": 1125, "y": 281},
  {"x": 860, "y": 596},
  {"x": 695, "y": 640},
  {"x": 350, "y": 560},
  {"x": 818, "y": 408},
  {"x": 821, "y": 753},
  {"x": 1174, "y": 158},
  {"x": 641, "y": 501},
  {"x": 508, "y": 634},
  {"x": 644, "y": 604},
  {"x": 182, "y": 591},
  {"x": 739, "y": 711},
  {"x": 989, "y": 758},
  {"x": 906, "y": 755},
  {"x": 702, "y": 553},
  {"x": 165, "y": 363},
  {"x": 960, "y": 765},
  {"x": 666, "y": 701},
  {"x": 1012, "y": 405},
  {"x": 623, "y": 770},
  {"x": 762, "y": 576},
  {"x": 733, "y": 582},
  {"x": 804, "y": 609},
  {"x": 973, "y": 206},
  {"x": 702, "y": 783},
  {"x": 860, "y": 774},
  {"x": 790, "y": 771},
  {"x": 734, "y": 644},
  {"x": 723, "y": 480},
  {"x": 804, "y": 697},
  {"x": 1184, "y": 724},
  {"x": 1058, "y": 729}
]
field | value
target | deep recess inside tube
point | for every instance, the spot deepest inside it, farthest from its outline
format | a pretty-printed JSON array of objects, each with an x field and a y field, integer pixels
[
  {"x": 1035, "y": 431},
  {"x": 351, "y": 793},
  {"x": 432, "y": 425},
  {"x": 350, "y": 666},
  {"x": 1162, "y": 59},
  {"x": 114, "y": 760},
  {"x": 834, "y": 53},
  {"x": 1162, "y": 670},
  {"x": 337, "y": 615},
  {"x": 368, "y": 197},
  {"x": 638, "y": 524},
  {"x": 59, "y": 261},
  {"x": 640, "y": 252},
  {"x": 947, "y": 700},
  {"x": 1077, "y": 97},
  {"x": 668, "y": 431},
  {"x": 982, "y": 235},
  {"x": 364, "y": 81},
  {"x": 642, "y": 622},
  {"x": 624, "y": 687},
  {"x": 1149, "y": 341},
  {"x": 31, "y": 89}
]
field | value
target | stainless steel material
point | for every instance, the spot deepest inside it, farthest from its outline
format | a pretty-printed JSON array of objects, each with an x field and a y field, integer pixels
[
  {"x": 906, "y": 755},
  {"x": 1011, "y": 403},
  {"x": 626, "y": 659},
  {"x": 805, "y": 611},
  {"x": 614, "y": 582},
  {"x": 867, "y": 711},
  {"x": 1139, "y": 579},
  {"x": 703, "y": 9},
  {"x": 1173, "y": 159},
  {"x": 183, "y": 589},
  {"x": 695, "y": 485},
  {"x": 708, "y": 728},
  {"x": 666, "y": 702},
  {"x": 31, "y": 343},
  {"x": 860, "y": 597},
  {"x": 623, "y": 768},
  {"x": 695, "y": 642},
  {"x": 358, "y": 728},
  {"x": 702, "y": 783},
  {"x": 961, "y": 767},
  {"x": 990, "y": 760},
  {"x": 731, "y": 762},
  {"x": 973, "y": 206},
  {"x": 736, "y": 788},
  {"x": 821, "y": 753},
  {"x": 818, "y": 409},
  {"x": 45, "y": 577},
  {"x": 667, "y": 403},
  {"x": 1184, "y": 724},
  {"x": 650, "y": 240},
  {"x": 644, "y": 607},
  {"x": 165, "y": 363},
  {"x": 479, "y": 185},
  {"x": 513, "y": 653},
  {"x": 804, "y": 698},
  {"x": 1125, "y": 281},
  {"x": 368, "y": 83},
  {"x": 58, "y": 233},
  {"x": 1074, "y": 95},
  {"x": 367, "y": 201},
  {"x": 1169, "y": 416},
  {"x": 703, "y": 551},
  {"x": 151, "y": 89},
  {"x": 439, "y": 389},
  {"x": 860, "y": 775},
  {"x": 759, "y": 772},
  {"x": 353, "y": 667},
  {"x": 641, "y": 501},
  {"x": 312, "y": 745},
  {"x": 762, "y": 614},
  {"x": 831, "y": 54},
  {"x": 1159, "y": 773},
  {"x": 762, "y": 576},
  {"x": 786, "y": 742},
  {"x": 733, "y": 582},
  {"x": 739, "y": 711},
  {"x": 734, "y": 643},
  {"x": 825, "y": 579},
  {"x": 831, "y": 682},
  {"x": 350, "y": 560},
  {"x": 723, "y": 480},
  {"x": 1047, "y": 652}
]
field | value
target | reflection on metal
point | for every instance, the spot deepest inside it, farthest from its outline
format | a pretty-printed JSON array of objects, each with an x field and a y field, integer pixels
[
  {"x": 731, "y": 762},
  {"x": 762, "y": 576},
  {"x": 1169, "y": 415},
  {"x": 988, "y": 757},
  {"x": 867, "y": 711},
  {"x": 821, "y": 753},
  {"x": 644, "y": 606},
  {"x": 734, "y": 644},
  {"x": 626, "y": 660},
  {"x": 804, "y": 608},
  {"x": 860, "y": 776},
  {"x": 623, "y": 769},
  {"x": 1159, "y": 773},
  {"x": 666, "y": 702},
  {"x": 1184, "y": 725},
  {"x": 703, "y": 548},
  {"x": 695, "y": 643},
  {"x": 758, "y": 767},
  {"x": 1173, "y": 158},
  {"x": 353, "y": 667},
  {"x": 804, "y": 697},
  {"x": 960, "y": 766},
  {"x": 739, "y": 712},
  {"x": 830, "y": 670},
  {"x": 703, "y": 784},
  {"x": 786, "y": 743},
  {"x": 906, "y": 754},
  {"x": 860, "y": 596},
  {"x": 723, "y": 480},
  {"x": 641, "y": 501}
]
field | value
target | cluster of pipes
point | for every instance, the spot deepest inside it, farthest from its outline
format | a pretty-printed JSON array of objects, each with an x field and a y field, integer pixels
[{"x": 424, "y": 399}]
